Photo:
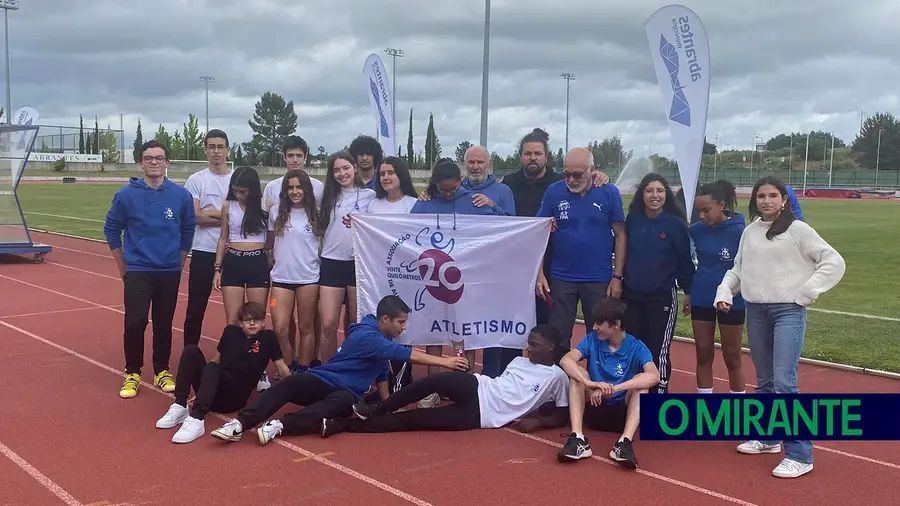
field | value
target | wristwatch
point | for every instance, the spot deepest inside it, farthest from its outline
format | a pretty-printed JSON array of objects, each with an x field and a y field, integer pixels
[{"x": 620, "y": 278}]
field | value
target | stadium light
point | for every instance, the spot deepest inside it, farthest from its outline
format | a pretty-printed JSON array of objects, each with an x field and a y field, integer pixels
[
  {"x": 569, "y": 77},
  {"x": 207, "y": 79},
  {"x": 394, "y": 53},
  {"x": 8, "y": 5},
  {"x": 485, "y": 71}
]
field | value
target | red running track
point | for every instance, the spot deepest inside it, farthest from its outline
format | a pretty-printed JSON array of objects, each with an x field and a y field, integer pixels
[{"x": 68, "y": 438}]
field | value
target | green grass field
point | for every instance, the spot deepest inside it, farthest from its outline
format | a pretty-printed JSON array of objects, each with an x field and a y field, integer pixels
[{"x": 867, "y": 233}]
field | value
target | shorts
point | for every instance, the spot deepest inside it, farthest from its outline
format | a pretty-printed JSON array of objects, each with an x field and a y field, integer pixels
[
  {"x": 290, "y": 286},
  {"x": 248, "y": 269},
  {"x": 337, "y": 273},
  {"x": 711, "y": 314},
  {"x": 606, "y": 417}
]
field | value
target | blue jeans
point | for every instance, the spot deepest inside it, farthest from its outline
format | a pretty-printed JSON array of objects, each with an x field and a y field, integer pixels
[{"x": 775, "y": 333}]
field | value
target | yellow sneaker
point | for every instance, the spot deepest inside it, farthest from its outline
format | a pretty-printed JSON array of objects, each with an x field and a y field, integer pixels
[
  {"x": 164, "y": 381},
  {"x": 131, "y": 386}
]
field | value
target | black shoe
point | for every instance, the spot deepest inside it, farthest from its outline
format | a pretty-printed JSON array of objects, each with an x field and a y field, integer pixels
[
  {"x": 315, "y": 363},
  {"x": 575, "y": 449},
  {"x": 623, "y": 453},
  {"x": 365, "y": 409},
  {"x": 333, "y": 426}
]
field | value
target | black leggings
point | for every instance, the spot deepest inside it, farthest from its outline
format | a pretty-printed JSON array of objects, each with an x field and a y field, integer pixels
[
  {"x": 216, "y": 390},
  {"x": 463, "y": 414},
  {"x": 651, "y": 318},
  {"x": 320, "y": 399}
]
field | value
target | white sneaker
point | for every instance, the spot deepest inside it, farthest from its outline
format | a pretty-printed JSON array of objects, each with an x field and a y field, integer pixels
[
  {"x": 231, "y": 431},
  {"x": 430, "y": 401},
  {"x": 268, "y": 431},
  {"x": 758, "y": 447},
  {"x": 174, "y": 416},
  {"x": 191, "y": 429},
  {"x": 791, "y": 469},
  {"x": 263, "y": 383}
]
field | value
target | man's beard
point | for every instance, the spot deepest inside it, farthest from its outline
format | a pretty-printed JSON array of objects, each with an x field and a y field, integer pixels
[{"x": 533, "y": 170}]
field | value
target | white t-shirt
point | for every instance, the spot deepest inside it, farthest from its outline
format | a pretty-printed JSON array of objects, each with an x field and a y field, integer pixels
[
  {"x": 273, "y": 188},
  {"x": 338, "y": 242},
  {"x": 402, "y": 206},
  {"x": 521, "y": 389},
  {"x": 296, "y": 251},
  {"x": 210, "y": 189}
]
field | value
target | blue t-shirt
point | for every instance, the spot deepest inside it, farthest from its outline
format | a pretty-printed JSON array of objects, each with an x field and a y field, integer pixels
[
  {"x": 583, "y": 243},
  {"x": 616, "y": 367}
]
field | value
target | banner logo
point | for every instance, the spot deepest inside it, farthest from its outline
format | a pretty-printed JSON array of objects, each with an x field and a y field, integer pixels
[
  {"x": 434, "y": 268},
  {"x": 378, "y": 89},
  {"x": 383, "y": 124}
]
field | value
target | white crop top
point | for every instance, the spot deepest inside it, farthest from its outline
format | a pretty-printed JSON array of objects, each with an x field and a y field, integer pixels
[{"x": 235, "y": 219}]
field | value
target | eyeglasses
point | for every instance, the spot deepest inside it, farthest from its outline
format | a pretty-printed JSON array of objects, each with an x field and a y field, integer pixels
[
  {"x": 216, "y": 147},
  {"x": 148, "y": 159}
]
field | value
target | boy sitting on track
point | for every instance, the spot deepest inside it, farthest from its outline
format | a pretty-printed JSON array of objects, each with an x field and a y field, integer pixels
[
  {"x": 330, "y": 390},
  {"x": 619, "y": 369},
  {"x": 224, "y": 384},
  {"x": 478, "y": 401}
]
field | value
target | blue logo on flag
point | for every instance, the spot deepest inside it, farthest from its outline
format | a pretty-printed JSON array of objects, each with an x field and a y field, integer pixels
[
  {"x": 382, "y": 123},
  {"x": 24, "y": 138},
  {"x": 680, "y": 112}
]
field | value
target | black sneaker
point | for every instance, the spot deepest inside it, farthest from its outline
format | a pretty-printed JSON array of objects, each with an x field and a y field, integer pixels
[
  {"x": 365, "y": 409},
  {"x": 623, "y": 453},
  {"x": 331, "y": 426},
  {"x": 575, "y": 449}
]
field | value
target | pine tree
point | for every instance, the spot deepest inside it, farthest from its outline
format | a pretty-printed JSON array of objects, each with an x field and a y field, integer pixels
[
  {"x": 410, "y": 154},
  {"x": 138, "y": 142}
]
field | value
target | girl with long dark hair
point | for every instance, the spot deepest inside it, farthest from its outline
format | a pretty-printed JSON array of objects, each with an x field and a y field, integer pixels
[
  {"x": 716, "y": 236},
  {"x": 394, "y": 190},
  {"x": 344, "y": 193},
  {"x": 293, "y": 240},
  {"x": 658, "y": 260},
  {"x": 782, "y": 266},
  {"x": 242, "y": 267}
]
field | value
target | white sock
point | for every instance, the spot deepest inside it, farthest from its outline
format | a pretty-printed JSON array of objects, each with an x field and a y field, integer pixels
[
  {"x": 621, "y": 438},
  {"x": 741, "y": 392},
  {"x": 704, "y": 390},
  {"x": 579, "y": 435}
]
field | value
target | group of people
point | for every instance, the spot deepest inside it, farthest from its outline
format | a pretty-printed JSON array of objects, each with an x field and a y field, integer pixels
[{"x": 287, "y": 250}]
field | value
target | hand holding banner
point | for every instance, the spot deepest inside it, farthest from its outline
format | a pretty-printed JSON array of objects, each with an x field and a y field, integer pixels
[
  {"x": 680, "y": 50},
  {"x": 466, "y": 278}
]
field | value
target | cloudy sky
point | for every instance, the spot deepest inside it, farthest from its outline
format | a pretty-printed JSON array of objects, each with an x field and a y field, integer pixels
[{"x": 776, "y": 66}]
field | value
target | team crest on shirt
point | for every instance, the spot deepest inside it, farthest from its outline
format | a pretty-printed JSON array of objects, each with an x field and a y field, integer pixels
[
  {"x": 724, "y": 254},
  {"x": 564, "y": 207},
  {"x": 536, "y": 387},
  {"x": 254, "y": 348},
  {"x": 169, "y": 214},
  {"x": 620, "y": 371},
  {"x": 308, "y": 228}
]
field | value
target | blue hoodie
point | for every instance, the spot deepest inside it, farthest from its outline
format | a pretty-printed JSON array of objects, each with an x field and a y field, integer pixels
[
  {"x": 659, "y": 253},
  {"x": 794, "y": 202},
  {"x": 498, "y": 192},
  {"x": 158, "y": 225},
  {"x": 362, "y": 359},
  {"x": 716, "y": 248},
  {"x": 461, "y": 204}
]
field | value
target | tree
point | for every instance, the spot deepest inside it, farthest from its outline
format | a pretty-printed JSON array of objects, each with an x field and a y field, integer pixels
[
  {"x": 410, "y": 154},
  {"x": 138, "y": 142},
  {"x": 193, "y": 139},
  {"x": 237, "y": 154},
  {"x": 461, "y": 150},
  {"x": 95, "y": 144},
  {"x": 81, "y": 135},
  {"x": 609, "y": 154},
  {"x": 108, "y": 147},
  {"x": 708, "y": 147},
  {"x": 431, "y": 153},
  {"x": 866, "y": 146},
  {"x": 273, "y": 120},
  {"x": 164, "y": 138},
  {"x": 560, "y": 158},
  {"x": 177, "y": 149}
]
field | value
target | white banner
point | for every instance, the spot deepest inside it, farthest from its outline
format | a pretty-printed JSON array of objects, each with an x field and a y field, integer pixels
[
  {"x": 379, "y": 91},
  {"x": 680, "y": 50},
  {"x": 26, "y": 116},
  {"x": 465, "y": 278}
]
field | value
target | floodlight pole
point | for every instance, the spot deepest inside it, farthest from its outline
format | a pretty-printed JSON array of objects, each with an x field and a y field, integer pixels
[
  {"x": 207, "y": 79},
  {"x": 8, "y": 5},
  {"x": 569, "y": 77},
  {"x": 394, "y": 53}
]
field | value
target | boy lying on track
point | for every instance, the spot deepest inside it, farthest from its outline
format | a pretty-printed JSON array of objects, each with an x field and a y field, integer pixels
[
  {"x": 224, "y": 384},
  {"x": 330, "y": 390},
  {"x": 607, "y": 395},
  {"x": 479, "y": 401}
]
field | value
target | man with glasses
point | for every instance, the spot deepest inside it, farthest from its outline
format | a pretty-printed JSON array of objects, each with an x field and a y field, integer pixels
[
  {"x": 157, "y": 218},
  {"x": 295, "y": 151},
  {"x": 588, "y": 222},
  {"x": 209, "y": 187}
]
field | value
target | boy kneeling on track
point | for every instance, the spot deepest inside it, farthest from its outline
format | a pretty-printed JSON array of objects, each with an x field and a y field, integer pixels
[
  {"x": 517, "y": 396},
  {"x": 619, "y": 369},
  {"x": 330, "y": 390},
  {"x": 224, "y": 384}
]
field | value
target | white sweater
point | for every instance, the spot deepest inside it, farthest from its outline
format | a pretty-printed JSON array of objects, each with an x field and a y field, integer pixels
[{"x": 794, "y": 267}]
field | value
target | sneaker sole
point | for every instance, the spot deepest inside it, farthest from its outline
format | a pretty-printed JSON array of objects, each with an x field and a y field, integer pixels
[
  {"x": 128, "y": 395},
  {"x": 765, "y": 451},
  {"x": 223, "y": 437},
  {"x": 355, "y": 412},
  {"x": 572, "y": 458},
  {"x": 791, "y": 476},
  {"x": 263, "y": 439},
  {"x": 166, "y": 426},
  {"x": 624, "y": 462}
]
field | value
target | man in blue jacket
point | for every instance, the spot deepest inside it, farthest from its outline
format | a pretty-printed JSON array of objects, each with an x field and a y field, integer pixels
[
  {"x": 331, "y": 390},
  {"x": 157, "y": 218},
  {"x": 480, "y": 181}
]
